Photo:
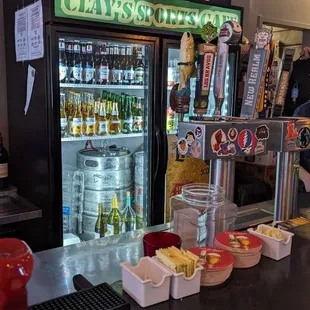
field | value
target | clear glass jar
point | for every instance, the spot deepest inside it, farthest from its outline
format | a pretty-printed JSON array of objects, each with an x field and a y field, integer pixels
[{"x": 200, "y": 212}]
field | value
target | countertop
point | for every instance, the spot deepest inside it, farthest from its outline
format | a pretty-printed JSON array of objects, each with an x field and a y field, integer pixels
[{"x": 269, "y": 285}]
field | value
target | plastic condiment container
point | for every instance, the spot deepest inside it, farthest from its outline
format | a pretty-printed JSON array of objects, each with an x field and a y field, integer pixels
[
  {"x": 274, "y": 248},
  {"x": 182, "y": 286},
  {"x": 200, "y": 212},
  {"x": 148, "y": 282}
]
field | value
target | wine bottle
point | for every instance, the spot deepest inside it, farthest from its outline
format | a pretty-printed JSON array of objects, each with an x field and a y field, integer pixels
[
  {"x": 114, "y": 219},
  {"x": 97, "y": 225},
  {"x": 4, "y": 159},
  {"x": 128, "y": 216}
]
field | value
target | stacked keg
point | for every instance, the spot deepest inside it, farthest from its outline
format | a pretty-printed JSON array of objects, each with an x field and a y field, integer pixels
[
  {"x": 139, "y": 189},
  {"x": 106, "y": 171}
]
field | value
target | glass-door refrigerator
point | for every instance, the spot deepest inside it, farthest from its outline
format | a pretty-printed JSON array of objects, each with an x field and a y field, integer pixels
[
  {"x": 180, "y": 169},
  {"x": 104, "y": 87}
]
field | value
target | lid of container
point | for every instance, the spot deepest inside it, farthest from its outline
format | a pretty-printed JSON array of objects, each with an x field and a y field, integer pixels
[
  {"x": 213, "y": 259},
  {"x": 105, "y": 152},
  {"x": 235, "y": 241}
]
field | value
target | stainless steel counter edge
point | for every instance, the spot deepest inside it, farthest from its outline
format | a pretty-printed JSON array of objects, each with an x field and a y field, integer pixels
[{"x": 98, "y": 260}]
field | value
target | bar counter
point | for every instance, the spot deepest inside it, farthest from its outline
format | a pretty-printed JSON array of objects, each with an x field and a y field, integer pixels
[{"x": 269, "y": 285}]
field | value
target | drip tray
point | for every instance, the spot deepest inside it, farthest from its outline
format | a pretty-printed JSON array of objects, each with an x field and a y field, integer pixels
[
  {"x": 100, "y": 297},
  {"x": 252, "y": 217},
  {"x": 14, "y": 208}
]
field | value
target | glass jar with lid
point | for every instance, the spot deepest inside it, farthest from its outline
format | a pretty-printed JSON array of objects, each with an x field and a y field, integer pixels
[{"x": 200, "y": 212}]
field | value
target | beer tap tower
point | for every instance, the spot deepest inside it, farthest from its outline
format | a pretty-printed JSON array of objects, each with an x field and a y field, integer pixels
[{"x": 222, "y": 139}]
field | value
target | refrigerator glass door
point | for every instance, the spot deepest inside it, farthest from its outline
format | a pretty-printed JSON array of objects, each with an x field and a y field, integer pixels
[
  {"x": 182, "y": 170},
  {"x": 104, "y": 107}
]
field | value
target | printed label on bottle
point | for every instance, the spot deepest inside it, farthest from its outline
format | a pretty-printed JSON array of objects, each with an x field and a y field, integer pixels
[
  {"x": 77, "y": 72},
  {"x": 116, "y": 75},
  {"x": 4, "y": 172},
  {"x": 76, "y": 121},
  {"x": 89, "y": 73},
  {"x": 110, "y": 230},
  {"x": 102, "y": 127},
  {"x": 63, "y": 122},
  {"x": 66, "y": 219},
  {"x": 90, "y": 121},
  {"x": 128, "y": 121},
  {"x": 138, "y": 121},
  {"x": 62, "y": 71},
  {"x": 129, "y": 75},
  {"x": 104, "y": 73},
  {"x": 139, "y": 75},
  {"x": 115, "y": 121},
  {"x": 97, "y": 235}
]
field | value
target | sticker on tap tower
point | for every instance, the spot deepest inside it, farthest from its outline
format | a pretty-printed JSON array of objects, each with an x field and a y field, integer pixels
[{"x": 246, "y": 142}]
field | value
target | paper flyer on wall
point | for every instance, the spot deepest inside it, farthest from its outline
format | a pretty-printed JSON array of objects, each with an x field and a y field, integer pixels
[
  {"x": 21, "y": 35},
  {"x": 35, "y": 30},
  {"x": 29, "y": 32}
]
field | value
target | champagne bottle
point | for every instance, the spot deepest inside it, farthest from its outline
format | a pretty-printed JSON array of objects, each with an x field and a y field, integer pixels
[
  {"x": 114, "y": 219},
  {"x": 128, "y": 216}
]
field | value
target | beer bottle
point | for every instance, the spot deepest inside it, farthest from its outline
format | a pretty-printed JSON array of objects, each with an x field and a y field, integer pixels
[
  {"x": 89, "y": 64},
  {"x": 90, "y": 118},
  {"x": 76, "y": 75},
  {"x": 116, "y": 68},
  {"x": 108, "y": 109},
  {"x": 83, "y": 54},
  {"x": 114, "y": 219},
  {"x": 97, "y": 51},
  {"x": 139, "y": 69},
  {"x": 77, "y": 120},
  {"x": 63, "y": 116},
  {"x": 110, "y": 55},
  {"x": 69, "y": 55},
  {"x": 121, "y": 108},
  {"x": 127, "y": 124},
  {"x": 122, "y": 62},
  {"x": 138, "y": 120},
  {"x": 129, "y": 71},
  {"x": 104, "y": 66},
  {"x": 97, "y": 106},
  {"x": 115, "y": 123},
  {"x": 102, "y": 124},
  {"x": 63, "y": 65}
]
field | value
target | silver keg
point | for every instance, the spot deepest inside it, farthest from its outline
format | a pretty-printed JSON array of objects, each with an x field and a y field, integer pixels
[
  {"x": 105, "y": 168},
  {"x": 139, "y": 194},
  {"x": 106, "y": 171}
]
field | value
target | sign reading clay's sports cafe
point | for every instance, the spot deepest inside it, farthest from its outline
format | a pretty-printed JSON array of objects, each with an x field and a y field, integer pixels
[{"x": 172, "y": 15}]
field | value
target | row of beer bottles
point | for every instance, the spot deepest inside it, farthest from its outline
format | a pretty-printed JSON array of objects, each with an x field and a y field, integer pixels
[
  {"x": 106, "y": 120},
  {"x": 79, "y": 63}
]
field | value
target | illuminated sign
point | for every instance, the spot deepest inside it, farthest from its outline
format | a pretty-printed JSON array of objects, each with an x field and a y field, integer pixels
[{"x": 176, "y": 15}]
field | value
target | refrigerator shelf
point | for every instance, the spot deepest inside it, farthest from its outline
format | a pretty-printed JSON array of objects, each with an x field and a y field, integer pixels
[
  {"x": 85, "y": 138},
  {"x": 95, "y": 86}
]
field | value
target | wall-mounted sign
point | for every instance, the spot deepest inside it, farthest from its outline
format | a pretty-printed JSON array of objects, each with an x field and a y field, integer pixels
[{"x": 177, "y": 15}]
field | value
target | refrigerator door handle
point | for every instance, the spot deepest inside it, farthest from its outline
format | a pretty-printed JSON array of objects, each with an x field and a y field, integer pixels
[
  {"x": 158, "y": 143},
  {"x": 165, "y": 151}
]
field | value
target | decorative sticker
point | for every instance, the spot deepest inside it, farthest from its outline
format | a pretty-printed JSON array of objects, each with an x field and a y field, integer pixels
[
  {"x": 216, "y": 139},
  {"x": 238, "y": 241},
  {"x": 260, "y": 148},
  {"x": 292, "y": 132},
  {"x": 295, "y": 167},
  {"x": 291, "y": 145},
  {"x": 182, "y": 146},
  {"x": 303, "y": 137},
  {"x": 196, "y": 149},
  {"x": 212, "y": 258},
  {"x": 190, "y": 138},
  {"x": 232, "y": 134},
  {"x": 198, "y": 132},
  {"x": 226, "y": 149},
  {"x": 262, "y": 132},
  {"x": 246, "y": 142}
]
